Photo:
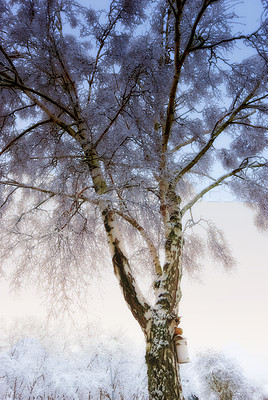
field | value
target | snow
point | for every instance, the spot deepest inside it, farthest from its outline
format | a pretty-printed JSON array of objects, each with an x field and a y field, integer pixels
[
  {"x": 106, "y": 366},
  {"x": 114, "y": 366}
]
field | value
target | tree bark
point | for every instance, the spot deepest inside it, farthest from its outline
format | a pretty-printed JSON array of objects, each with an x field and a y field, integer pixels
[
  {"x": 157, "y": 322},
  {"x": 164, "y": 381},
  {"x": 163, "y": 371}
]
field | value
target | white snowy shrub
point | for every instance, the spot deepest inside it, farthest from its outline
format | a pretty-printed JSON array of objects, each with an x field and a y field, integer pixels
[
  {"x": 101, "y": 367},
  {"x": 107, "y": 369},
  {"x": 219, "y": 377}
]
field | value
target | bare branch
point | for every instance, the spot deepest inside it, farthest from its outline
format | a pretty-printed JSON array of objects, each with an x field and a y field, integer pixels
[
  {"x": 18, "y": 83},
  {"x": 23, "y": 134},
  {"x": 183, "y": 144},
  {"x": 9, "y": 60},
  {"x": 223, "y": 41},
  {"x": 250, "y": 125},
  {"x": 133, "y": 222},
  {"x": 36, "y": 207},
  {"x": 102, "y": 43},
  {"x": 80, "y": 135},
  {"x": 8, "y": 196},
  {"x": 243, "y": 166},
  {"x": 179, "y": 61},
  {"x": 11, "y": 182},
  {"x": 172, "y": 7},
  {"x": 17, "y": 110},
  {"x": 113, "y": 120},
  {"x": 216, "y": 132},
  {"x": 26, "y": 90}
]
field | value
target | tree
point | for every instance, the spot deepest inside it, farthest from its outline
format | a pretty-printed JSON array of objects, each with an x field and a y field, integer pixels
[
  {"x": 114, "y": 124},
  {"x": 105, "y": 369},
  {"x": 222, "y": 378}
]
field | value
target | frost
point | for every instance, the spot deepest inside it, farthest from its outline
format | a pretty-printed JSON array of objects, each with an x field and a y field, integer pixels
[
  {"x": 219, "y": 248},
  {"x": 125, "y": 109},
  {"x": 193, "y": 254},
  {"x": 107, "y": 366},
  {"x": 113, "y": 367},
  {"x": 218, "y": 375}
]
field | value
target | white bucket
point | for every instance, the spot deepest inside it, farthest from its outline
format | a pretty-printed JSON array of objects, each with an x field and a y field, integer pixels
[{"x": 181, "y": 349}]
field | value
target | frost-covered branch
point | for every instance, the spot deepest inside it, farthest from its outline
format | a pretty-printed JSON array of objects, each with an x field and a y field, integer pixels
[
  {"x": 31, "y": 128},
  {"x": 173, "y": 90},
  {"x": 202, "y": 45},
  {"x": 132, "y": 293},
  {"x": 219, "y": 127},
  {"x": 101, "y": 40},
  {"x": 125, "y": 100},
  {"x": 8, "y": 197},
  {"x": 179, "y": 59},
  {"x": 245, "y": 165},
  {"x": 11, "y": 182},
  {"x": 133, "y": 222},
  {"x": 16, "y": 82},
  {"x": 181, "y": 145}
]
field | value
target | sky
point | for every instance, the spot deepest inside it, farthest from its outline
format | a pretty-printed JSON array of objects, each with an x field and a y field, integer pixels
[
  {"x": 229, "y": 311},
  {"x": 249, "y": 10},
  {"x": 223, "y": 311}
]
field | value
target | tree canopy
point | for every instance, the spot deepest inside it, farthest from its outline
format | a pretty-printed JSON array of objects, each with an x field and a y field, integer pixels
[{"x": 157, "y": 89}]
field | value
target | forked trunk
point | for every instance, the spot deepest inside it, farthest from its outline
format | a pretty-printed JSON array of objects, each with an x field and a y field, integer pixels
[
  {"x": 157, "y": 323},
  {"x": 163, "y": 371}
]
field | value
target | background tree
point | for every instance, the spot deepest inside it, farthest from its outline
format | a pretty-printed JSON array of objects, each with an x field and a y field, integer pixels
[
  {"x": 100, "y": 366},
  {"x": 106, "y": 369},
  {"x": 113, "y": 126},
  {"x": 222, "y": 378}
]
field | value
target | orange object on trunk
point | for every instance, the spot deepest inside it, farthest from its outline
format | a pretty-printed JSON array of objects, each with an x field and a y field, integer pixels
[{"x": 178, "y": 331}]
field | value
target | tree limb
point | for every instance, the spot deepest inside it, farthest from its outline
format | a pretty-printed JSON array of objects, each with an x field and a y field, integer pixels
[
  {"x": 179, "y": 61},
  {"x": 243, "y": 166},
  {"x": 113, "y": 120},
  {"x": 122, "y": 270},
  {"x": 183, "y": 144},
  {"x": 8, "y": 196},
  {"x": 133, "y": 222},
  {"x": 17, "y": 82},
  {"x": 216, "y": 132},
  {"x": 212, "y": 45},
  {"x": 7, "y": 146},
  {"x": 11, "y": 182},
  {"x": 98, "y": 56}
]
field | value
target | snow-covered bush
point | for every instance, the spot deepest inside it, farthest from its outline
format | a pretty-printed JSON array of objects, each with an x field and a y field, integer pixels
[
  {"x": 107, "y": 370},
  {"x": 219, "y": 377},
  {"x": 102, "y": 367}
]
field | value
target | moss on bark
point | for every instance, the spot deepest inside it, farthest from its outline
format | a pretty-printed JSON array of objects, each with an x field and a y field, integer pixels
[{"x": 163, "y": 377}]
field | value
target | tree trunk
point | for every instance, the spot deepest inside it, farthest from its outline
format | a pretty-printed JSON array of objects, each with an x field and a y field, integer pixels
[
  {"x": 163, "y": 371},
  {"x": 157, "y": 323}
]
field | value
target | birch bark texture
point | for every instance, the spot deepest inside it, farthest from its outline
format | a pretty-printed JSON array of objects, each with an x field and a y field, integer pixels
[{"x": 114, "y": 124}]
